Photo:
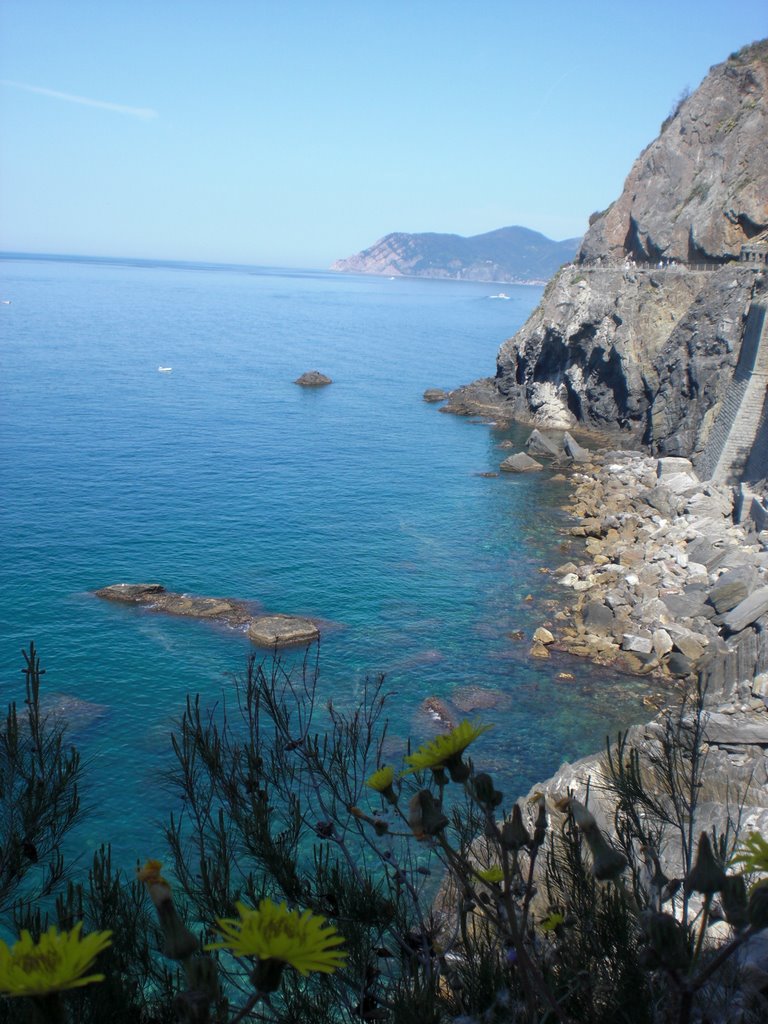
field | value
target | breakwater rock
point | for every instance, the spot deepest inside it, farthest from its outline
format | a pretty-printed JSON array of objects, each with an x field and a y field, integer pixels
[{"x": 263, "y": 630}]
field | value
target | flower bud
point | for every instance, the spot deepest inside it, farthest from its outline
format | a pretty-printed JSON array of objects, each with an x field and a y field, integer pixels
[
  {"x": 380, "y": 825},
  {"x": 667, "y": 939},
  {"x": 733, "y": 899},
  {"x": 485, "y": 792},
  {"x": 706, "y": 876},
  {"x": 424, "y": 815},
  {"x": 514, "y": 834},
  {"x": 584, "y": 819},
  {"x": 757, "y": 908},
  {"x": 540, "y": 827}
]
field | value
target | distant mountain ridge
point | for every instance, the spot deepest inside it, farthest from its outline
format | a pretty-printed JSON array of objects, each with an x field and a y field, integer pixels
[{"x": 512, "y": 254}]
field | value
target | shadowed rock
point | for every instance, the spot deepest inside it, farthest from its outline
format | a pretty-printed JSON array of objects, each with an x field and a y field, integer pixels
[
  {"x": 574, "y": 450},
  {"x": 540, "y": 444}
]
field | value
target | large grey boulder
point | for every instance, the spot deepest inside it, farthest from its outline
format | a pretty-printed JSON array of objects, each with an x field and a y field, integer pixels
[
  {"x": 540, "y": 444},
  {"x": 672, "y": 466},
  {"x": 747, "y": 611},
  {"x": 732, "y": 588},
  {"x": 598, "y": 617},
  {"x": 131, "y": 593},
  {"x": 736, "y": 729},
  {"x": 574, "y": 450},
  {"x": 520, "y": 463},
  {"x": 282, "y": 631}
]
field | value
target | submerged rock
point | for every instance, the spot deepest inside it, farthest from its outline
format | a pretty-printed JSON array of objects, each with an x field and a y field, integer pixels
[{"x": 440, "y": 711}]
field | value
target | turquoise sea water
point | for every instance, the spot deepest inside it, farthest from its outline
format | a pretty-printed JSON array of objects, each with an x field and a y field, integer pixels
[{"x": 357, "y": 504}]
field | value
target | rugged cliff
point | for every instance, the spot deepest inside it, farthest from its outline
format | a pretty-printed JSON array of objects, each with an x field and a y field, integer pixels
[
  {"x": 512, "y": 254},
  {"x": 699, "y": 192},
  {"x": 641, "y": 335}
]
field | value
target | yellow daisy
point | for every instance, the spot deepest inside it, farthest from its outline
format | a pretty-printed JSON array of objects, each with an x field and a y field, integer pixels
[
  {"x": 445, "y": 751},
  {"x": 57, "y": 962},
  {"x": 490, "y": 875},
  {"x": 304, "y": 940},
  {"x": 382, "y": 779}
]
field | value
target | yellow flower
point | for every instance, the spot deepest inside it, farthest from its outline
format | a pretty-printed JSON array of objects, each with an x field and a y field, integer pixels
[
  {"x": 382, "y": 779},
  {"x": 490, "y": 875},
  {"x": 753, "y": 853},
  {"x": 552, "y": 921},
  {"x": 57, "y": 962},
  {"x": 445, "y": 751},
  {"x": 304, "y": 940}
]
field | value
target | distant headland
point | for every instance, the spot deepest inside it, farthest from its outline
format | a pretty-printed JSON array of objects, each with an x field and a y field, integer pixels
[{"x": 514, "y": 255}]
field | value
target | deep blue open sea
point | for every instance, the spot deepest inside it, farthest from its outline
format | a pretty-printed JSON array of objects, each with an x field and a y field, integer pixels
[{"x": 357, "y": 504}]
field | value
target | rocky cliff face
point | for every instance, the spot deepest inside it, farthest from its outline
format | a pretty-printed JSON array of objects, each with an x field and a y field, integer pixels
[
  {"x": 700, "y": 191},
  {"x": 513, "y": 254},
  {"x": 637, "y": 337},
  {"x": 647, "y": 353}
]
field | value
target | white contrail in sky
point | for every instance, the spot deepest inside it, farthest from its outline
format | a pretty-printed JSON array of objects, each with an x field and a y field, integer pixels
[{"x": 145, "y": 113}]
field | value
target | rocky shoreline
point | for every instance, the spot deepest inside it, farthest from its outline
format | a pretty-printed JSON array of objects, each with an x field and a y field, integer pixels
[
  {"x": 669, "y": 578},
  {"x": 671, "y": 582}
]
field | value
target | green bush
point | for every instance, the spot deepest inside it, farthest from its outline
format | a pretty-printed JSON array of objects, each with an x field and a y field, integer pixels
[{"x": 314, "y": 881}]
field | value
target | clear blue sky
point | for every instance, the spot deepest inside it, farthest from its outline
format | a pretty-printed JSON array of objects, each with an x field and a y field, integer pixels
[{"x": 292, "y": 133}]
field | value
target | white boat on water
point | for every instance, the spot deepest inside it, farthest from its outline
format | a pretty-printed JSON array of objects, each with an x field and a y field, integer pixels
[
  {"x": 165, "y": 369},
  {"x": 501, "y": 295}
]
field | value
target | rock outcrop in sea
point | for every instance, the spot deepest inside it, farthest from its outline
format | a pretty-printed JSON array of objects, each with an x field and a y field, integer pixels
[{"x": 274, "y": 630}]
